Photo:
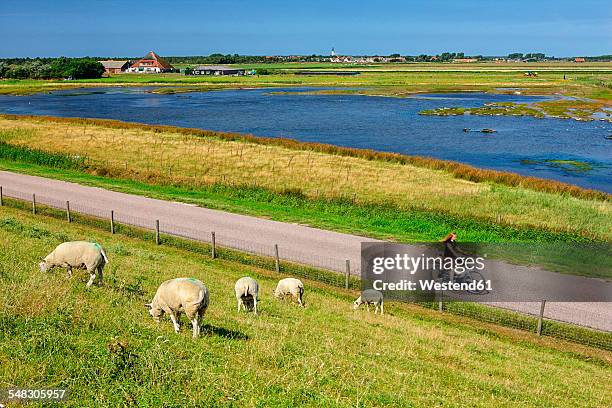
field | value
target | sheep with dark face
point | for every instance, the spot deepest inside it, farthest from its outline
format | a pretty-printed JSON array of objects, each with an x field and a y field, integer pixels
[
  {"x": 178, "y": 295},
  {"x": 370, "y": 297},
  {"x": 292, "y": 287},
  {"x": 246, "y": 290},
  {"x": 77, "y": 254}
]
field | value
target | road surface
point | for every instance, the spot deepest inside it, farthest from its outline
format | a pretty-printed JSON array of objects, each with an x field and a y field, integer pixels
[{"x": 299, "y": 243}]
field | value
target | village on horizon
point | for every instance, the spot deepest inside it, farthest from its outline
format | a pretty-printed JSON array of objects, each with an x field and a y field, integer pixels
[{"x": 153, "y": 63}]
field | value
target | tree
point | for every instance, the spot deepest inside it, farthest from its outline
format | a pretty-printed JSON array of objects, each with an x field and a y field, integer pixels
[
  {"x": 76, "y": 68},
  {"x": 86, "y": 68}
]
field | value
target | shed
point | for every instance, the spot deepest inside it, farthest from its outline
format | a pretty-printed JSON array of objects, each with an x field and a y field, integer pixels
[
  {"x": 217, "y": 70},
  {"x": 114, "y": 67}
]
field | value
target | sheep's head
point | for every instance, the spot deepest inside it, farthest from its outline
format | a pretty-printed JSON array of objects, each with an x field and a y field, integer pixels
[
  {"x": 248, "y": 302},
  {"x": 357, "y": 303},
  {"x": 155, "y": 312},
  {"x": 43, "y": 265}
]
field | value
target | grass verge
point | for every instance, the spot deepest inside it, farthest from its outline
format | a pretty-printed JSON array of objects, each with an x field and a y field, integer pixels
[{"x": 377, "y": 221}]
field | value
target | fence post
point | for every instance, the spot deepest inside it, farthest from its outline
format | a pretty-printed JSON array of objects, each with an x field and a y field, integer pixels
[
  {"x": 157, "y": 240},
  {"x": 112, "y": 220},
  {"x": 34, "y": 204},
  {"x": 214, "y": 245},
  {"x": 347, "y": 273},
  {"x": 541, "y": 317},
  {"x": 1, "y": 202},
  {"x": 68, "y": 217},
  {"x": 276, "y": 259},
  {"x": 440, "y": 306}
]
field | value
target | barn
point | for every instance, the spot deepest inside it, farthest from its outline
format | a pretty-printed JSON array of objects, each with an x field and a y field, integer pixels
[
  {"x": 114, "y": 67},
  {"x": 217, "y": 70},
  {"x": 151, "y": 63}
]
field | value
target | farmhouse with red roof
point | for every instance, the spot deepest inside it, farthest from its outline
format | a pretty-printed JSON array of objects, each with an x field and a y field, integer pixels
[{"x": 151, "y": 63}]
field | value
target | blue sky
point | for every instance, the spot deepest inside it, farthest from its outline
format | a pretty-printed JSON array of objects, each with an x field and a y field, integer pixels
[{"x": 268, "y": 27}]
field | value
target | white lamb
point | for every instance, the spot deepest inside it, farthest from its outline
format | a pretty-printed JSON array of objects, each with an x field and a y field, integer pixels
[
  {"x": 290, "y": 286},
  {"x": 370, "y": 297},
  {"x": 77, "y": 254},
  {"x": 178, "y": 295},
  {"x": 246, "y": 290}
]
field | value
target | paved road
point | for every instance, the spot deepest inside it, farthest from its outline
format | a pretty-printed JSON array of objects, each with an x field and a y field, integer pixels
[
  {"x": 299, "y": 243},
  {"x": 326, "y": 249}
]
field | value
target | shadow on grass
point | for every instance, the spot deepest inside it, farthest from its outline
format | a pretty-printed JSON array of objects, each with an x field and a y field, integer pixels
[{"x": 210, "y": 330}]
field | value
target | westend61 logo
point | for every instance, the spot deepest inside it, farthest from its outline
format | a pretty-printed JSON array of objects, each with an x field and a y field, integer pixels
[
  {"x": 441, "y": 273},
  {"x": 483, "y": 272},
  {"x": 422, "y": 272},
  {"x": 412, "y": 264}
]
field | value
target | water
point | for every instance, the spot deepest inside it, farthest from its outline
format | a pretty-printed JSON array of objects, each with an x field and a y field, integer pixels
[{"x": 521, "y": 144}]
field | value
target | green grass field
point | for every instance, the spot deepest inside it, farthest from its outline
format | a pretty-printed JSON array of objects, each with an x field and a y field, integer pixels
[
  {"x": 592, "y": 80},
  {"x": 102, "y": 345}
]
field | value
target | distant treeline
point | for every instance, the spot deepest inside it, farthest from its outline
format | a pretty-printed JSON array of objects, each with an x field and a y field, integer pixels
[
  {"x": 50, "y": 68},
  {"x": 601, "y": 58},
  {"x": 215, "y": 59},
  {"x": 89, "y": 67},
  {"x": 540, "y": 57}
]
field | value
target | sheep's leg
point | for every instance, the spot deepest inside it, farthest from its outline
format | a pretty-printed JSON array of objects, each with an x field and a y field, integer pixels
[
  {"x": 368, "y": 307},
  {"x": 196, "y": 327},
  {"x": 92, "y": 276},
  {"x": 255, "y": 304},
  {"x": 239, "y": 303},
  {"x": 382, "y": 308},
  {"x": 69, "y": 271},
  {"x": 174, "y": 322},
  {"x": 100, "y": 275},
  {"x": 375, "y": 308}
]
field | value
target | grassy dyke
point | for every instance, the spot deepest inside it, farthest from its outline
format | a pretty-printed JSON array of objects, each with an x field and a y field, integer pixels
[
  {"x": 35, "y": 156},
  {"x": 378, "y": 221},
  {"x": 458, "y": 170},
  {"x": 500, "y": 317},
  {"x": 254, "y": 175},
  {"x": 101, "y": 344}
]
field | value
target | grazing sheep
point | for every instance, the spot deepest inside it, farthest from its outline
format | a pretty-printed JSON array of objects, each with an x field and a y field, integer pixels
[
  {"x": 370, "y": 296},
  {"x": 173, "y": 296},
  {"x": 246, "y": 290},
  {"x": 290, "y": 286},
  {"x": 77, "y": 254}
]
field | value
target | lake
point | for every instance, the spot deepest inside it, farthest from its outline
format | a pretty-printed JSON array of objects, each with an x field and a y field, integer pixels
[{"x": 565, "y": 150}]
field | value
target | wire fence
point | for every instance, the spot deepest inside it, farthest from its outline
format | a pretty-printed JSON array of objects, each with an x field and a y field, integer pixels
[{"x": 338, "y": 272}]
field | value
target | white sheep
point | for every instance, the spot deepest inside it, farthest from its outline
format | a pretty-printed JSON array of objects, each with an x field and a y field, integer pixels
[
  {"x": 77, "y": 254},
  {"x": 178, "y": 295},
  {"x": 246, "y": 290},
  {"x": 370, "y": 297},
  {"x": 290, "y": 286}
]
